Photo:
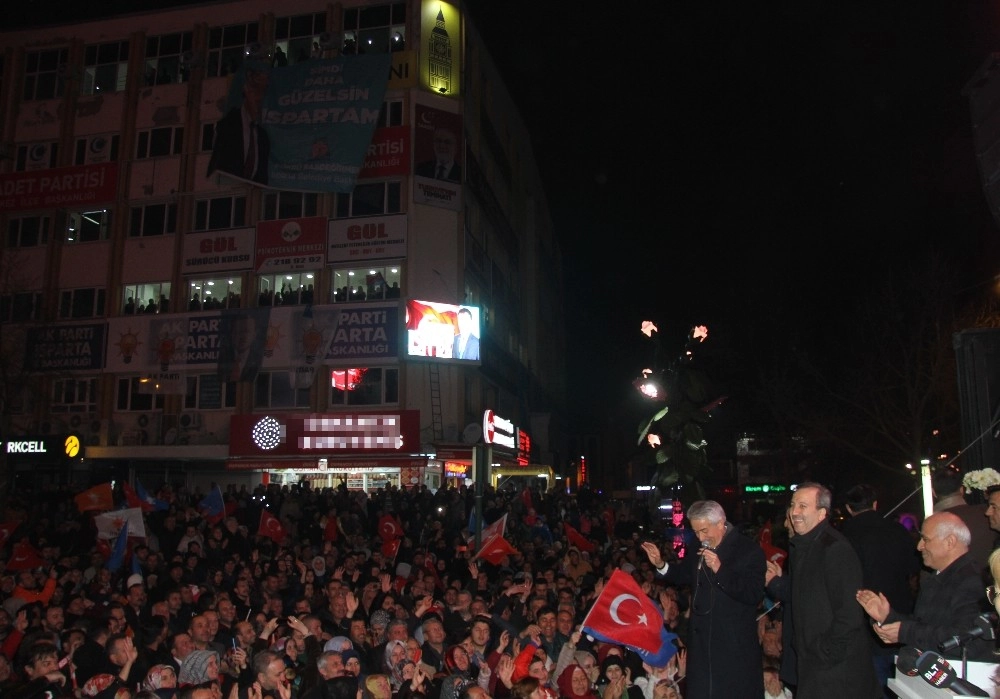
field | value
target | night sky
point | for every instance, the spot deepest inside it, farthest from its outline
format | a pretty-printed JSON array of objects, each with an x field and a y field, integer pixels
[{"x": 751, "y": 168}]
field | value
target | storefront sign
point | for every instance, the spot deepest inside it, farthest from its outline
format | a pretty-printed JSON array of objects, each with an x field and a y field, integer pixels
[
  {"x": 36, "y": 448},
  {"x": 61, "y": 187},
  {"x": 215, "y": 252},
  {"x": 291, "y": 244},
  {"x": 498, "y": 430},
  {"x": 317, "y": 435},
  {"x": 355, "y": 239}
]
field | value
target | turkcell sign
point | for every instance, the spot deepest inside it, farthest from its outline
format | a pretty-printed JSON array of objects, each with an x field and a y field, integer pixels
[
  {"x": 25, "y": 447},
  {"x": 498, "y": 430}
]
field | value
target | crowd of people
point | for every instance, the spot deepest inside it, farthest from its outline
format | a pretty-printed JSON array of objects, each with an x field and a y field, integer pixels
[{"x": 387, "y": 595}]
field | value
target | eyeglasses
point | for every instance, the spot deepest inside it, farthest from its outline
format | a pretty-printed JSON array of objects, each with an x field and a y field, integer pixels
[{"x": 991, "y": 593}]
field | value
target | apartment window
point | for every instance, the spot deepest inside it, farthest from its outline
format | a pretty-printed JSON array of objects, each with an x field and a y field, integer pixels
[
  {"x": 165, "y": 59},
  {"x": 207, "y": 137},
  {"x": 376, "y": 29},
  {"x": 364, "y": 386},
  {"x": 391, "y": 114},
  {"x": 152, "y": 219},
  {"x": 227, "y": 48},
  {"x": 219, "y": 213},
  {"x": 277, "y": 390},
  {"x": 207, "y": 293},
  {"x": 295, "y": 36},
  {"x": 74, "y": 395},
  {"x": 88, "y": 226},
  {"x": 36, "y": 156},
  {"x": 28, "y": 231},
  {"x": 370, "y": 199},
  {"x": 209, "y": 392},
  {"x": 21, "y": 307},
  {"x": 105, "y": 68},
  {"x": 365, "y": 283},
  {"x": 155, "y": 143},
  {"x": 45, "y": 74},
  {"x": 280, "y": 205},
  {"x": 133, "y": 395},
  {"x": 289, "y": 289},
  {"x": 81, "y": 303},
  {"x": 96, "y": 149},
  {"x": 151, "y": 297}
]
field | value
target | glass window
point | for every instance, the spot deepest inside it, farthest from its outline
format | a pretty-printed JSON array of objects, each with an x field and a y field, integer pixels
[
  {"x": 45, "y": 74},
  {"x": 373, "y": 283},
  {"x": 391, "y": 114},
  {"x": 296, "y": 37},
  {"x": 88, "y": 226},
  {"x": 152, "y": 219},
  {"x": 105, "y": 68},
  {"x": 208, "y": 293},
  {"x": 364, "y": 386},
  {"x": 96, "y": 149},
  {"x": 219, "y": 213},
  {"x": 209, "y": 392},
  {"x": 151, "y": 297},
  {"x": 133, "y": 396},
  {"x": 21, "y": 307},
  {"x": 156, "y": 143},
  {"x": 74, "y": 395},
  {"x": 81, "y": 303},
  {"x": 227, "y": 48},
  {"x": 370, "y": 199},
  {"x": 375, "y": 29},
  {"x": 37, "y": 156},
  {"x": 281, "y": 205},
  {"x": 28, "y": 231},
  {"x": 277, "y": 390},
  {"x": 168, "y": 59},
  {"x": 290, "y": 288}
]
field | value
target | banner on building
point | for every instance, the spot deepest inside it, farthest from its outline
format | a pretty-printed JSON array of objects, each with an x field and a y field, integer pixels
[{"x": 65, "y": 347}]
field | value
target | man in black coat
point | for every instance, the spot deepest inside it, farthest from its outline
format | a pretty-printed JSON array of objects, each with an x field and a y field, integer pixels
[
  {"x": 830, "y": 637},
  {"x": 949, "y": 600},
  {"x": 241, "y": 147},
  {"x": 727, "y": 580},
  {"x": 889, "y": 564}
]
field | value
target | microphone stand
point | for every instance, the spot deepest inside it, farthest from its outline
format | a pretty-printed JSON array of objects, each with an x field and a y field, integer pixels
[{"x": 965, "y": 661}]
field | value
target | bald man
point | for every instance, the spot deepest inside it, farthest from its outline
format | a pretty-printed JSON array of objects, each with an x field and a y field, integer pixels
[{"x": 949, "y": 600}]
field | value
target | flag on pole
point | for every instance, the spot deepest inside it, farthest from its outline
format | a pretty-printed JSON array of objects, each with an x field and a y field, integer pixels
[
  {"x": 625, "y": 615},
  {"x": 213, "y": 506},
  {"x": 98, "y": 498},
  {"x": 118, "y": 552},
  {"x": 577, "y": 539},
  {"x": 403, "y": 571},
  {"x": 271, "y": 527},
  {"x": 390, "y": 547},
  {"x": 389, "y": 528},
  {"x": 150, "y": 502},
  {"x": 494, "y": 529},
  {"x": 25, "y": 557},
  {"x": 495, "y": 549}
]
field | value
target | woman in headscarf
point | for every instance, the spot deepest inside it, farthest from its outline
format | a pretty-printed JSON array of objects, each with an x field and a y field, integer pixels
[
  {"x": 376, "y": 686},
  {"x": 574, "y": 683},
  {"x": 161, "y": 679},
  {"x": 392, "y": 662},
  {"x": 457, "y": 673},
  {"x": 198, "y": 667}
]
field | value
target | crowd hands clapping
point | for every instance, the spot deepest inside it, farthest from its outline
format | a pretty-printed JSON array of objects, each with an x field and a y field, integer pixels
[{"x": 214, "y": 610}]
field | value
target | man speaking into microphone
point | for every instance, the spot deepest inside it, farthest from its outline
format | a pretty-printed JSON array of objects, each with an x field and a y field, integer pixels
[
  {"x": 949, "y": 600},
  {"x": 726, "y": 576}
]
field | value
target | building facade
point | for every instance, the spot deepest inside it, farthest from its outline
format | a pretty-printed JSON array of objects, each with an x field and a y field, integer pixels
[{"x": 176, "y": 299}]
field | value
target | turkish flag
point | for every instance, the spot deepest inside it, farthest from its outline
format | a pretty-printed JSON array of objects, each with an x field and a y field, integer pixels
[
  {"x": 271, "y": 527},
  {"x": 389, "y": 528},
  {"x": 774, "y": 554},
  {"x": 390, "y": 548},
  {"x": 495, "y": 549},
  {"x": 430, "y": 565},
  {"x": 97, "y": 498},
  {"x": 25, "y": 557},
  {"x": 577, "y": 539},
  {"x": 623, "y": 614},
  {"x": 497, "y": 528},
  {"x": 764, "y": 536}
]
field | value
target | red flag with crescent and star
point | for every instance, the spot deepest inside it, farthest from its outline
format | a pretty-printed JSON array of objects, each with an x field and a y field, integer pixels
[
  {"x": 390, "y": 547},
  {"x": 25, "y": 557},
  {"x": 389, "y": 528},
  {"x": 624, "y": 614},
  {"x": 271, "y": 527},
  {"x": 494, "y": 550}
]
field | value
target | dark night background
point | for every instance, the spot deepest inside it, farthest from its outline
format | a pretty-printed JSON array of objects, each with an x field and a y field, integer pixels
[{"x": 757, "y": 169}]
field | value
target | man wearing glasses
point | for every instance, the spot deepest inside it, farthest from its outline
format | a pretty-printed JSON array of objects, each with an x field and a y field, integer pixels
[{"x": 950, "y": 598}]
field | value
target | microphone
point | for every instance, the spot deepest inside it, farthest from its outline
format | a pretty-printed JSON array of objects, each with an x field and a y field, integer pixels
[
  {"x": 701, "y": 558},
  {"x": 906, "y": 660},
  {"x": 936, "y": 672},
  {"x": 982, "y": 628}
]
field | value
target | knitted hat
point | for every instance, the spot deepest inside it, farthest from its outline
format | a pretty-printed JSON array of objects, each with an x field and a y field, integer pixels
[{"x": 194, "y": 669}]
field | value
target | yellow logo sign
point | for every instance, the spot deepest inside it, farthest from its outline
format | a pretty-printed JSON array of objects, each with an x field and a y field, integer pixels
[{"x": 72, "y": 446}]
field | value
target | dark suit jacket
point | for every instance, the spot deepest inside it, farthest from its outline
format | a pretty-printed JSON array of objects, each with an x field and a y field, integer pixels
[
  {"x": 471, "y": 348},
  {"x": 428, "y": 169},
  {"x": 227, "y": 153}
]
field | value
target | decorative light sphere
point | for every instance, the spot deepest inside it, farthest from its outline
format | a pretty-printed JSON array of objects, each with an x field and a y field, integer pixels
[{"x": 267, "y": 433}]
